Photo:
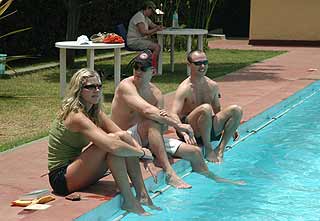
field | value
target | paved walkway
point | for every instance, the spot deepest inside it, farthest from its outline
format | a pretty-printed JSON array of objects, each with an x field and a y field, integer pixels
[
  {"x": 255, "y": 88},
  {"x": 53, "y": 64}
]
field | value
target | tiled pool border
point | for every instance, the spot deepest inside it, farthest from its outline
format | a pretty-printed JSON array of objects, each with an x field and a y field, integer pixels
[{"x": 111, "y": 209}]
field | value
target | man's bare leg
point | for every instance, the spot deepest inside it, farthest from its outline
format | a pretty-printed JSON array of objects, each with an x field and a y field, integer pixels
[
  {"x": 157, "y": 147},
  {"x": 194, "y": 156},
  {"x": 228, "y": 121},
  {"x": 135, "y": 175},
  {"x": 205, "y": 131},
  {"x": 201, "y": 121}
]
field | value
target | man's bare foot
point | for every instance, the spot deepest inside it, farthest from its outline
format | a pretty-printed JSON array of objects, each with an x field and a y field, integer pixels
[
  {"x": 218, "y": 179},
  {"x": 240, "y": 182},
  {"x": 234, "y": 182},
  {"x": 211, "y": 156},
  {"x": 176, "y": 182},
  {"x": 135, "y": 209}
]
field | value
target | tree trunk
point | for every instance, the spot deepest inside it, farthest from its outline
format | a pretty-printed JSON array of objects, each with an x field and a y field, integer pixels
[{"x": 74, "y": 11}]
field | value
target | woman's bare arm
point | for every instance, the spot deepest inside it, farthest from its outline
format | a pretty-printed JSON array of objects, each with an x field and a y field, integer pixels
[{"x": 112, "y": 143}]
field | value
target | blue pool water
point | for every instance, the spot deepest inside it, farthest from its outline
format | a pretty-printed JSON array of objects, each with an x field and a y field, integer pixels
[{"x": 280, "y": 164}]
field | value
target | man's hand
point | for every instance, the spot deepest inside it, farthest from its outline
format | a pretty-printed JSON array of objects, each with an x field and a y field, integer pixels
[
  {"x": 187, "y": 132},
  {"x": 151, "y": 168},
  {"x": 160, "y": 27},
  {"x": 189, "y": 139},
  {"x": 163, "y": 113},
  {"x": 185, "y": 128},
  {"x": 148, "y": 164}
]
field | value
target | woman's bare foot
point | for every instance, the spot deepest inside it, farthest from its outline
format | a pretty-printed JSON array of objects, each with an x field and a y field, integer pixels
[
  {"x": 149, "y": 203},
  {"x": 219, "y": 155},
  {"x": 137, "y": 208},
  {"x": 176, "y": 182}
]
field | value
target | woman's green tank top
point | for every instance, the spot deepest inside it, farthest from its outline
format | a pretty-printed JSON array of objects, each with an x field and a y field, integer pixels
[{"x": 64, "y": 145}]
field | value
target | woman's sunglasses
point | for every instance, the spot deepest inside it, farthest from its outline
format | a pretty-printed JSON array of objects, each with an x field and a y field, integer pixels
[
  {"x": 198, "y": 63},
  {"x": 92, "y": 87}
]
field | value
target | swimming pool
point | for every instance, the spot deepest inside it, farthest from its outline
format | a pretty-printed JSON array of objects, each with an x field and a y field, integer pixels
[{"x": 277, "y": 157}]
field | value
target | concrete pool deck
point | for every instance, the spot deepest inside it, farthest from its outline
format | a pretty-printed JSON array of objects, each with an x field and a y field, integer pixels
[{"x": 255, "y": 88}]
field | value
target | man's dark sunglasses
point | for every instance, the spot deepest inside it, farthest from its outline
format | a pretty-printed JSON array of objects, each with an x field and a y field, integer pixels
[
  {"x": 198, "y": 63},
  {"x": 92, "y": 87},
  {"x": 142, "y": 68}
]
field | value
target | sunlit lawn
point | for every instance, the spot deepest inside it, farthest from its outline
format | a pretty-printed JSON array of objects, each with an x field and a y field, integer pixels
[{"x": 28, "y": 103}]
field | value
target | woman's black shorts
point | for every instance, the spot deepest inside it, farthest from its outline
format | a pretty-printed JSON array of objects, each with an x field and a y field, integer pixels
[{"x": 58, "y": 181}]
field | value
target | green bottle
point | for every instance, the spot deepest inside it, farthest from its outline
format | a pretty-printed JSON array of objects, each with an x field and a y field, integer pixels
[{"x": 175, "y": 20}]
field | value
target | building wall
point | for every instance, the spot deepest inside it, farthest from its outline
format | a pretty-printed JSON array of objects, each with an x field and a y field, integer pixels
[{"x": 285, "y": 20}]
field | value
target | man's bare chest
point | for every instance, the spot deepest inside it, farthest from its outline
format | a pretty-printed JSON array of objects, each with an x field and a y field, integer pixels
[
  {"x": 199, "y": 96},
  {"x": 149, "y": 97}
]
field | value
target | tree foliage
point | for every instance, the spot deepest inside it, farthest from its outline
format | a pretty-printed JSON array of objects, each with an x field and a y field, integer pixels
[
  {"x": 4, "y": 5},
  {"x": 60, "y": 20}
]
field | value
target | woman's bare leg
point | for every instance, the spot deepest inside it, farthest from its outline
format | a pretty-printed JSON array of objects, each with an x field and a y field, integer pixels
[
  {"x": 118, "y": 168},
  {"x": 134, "y": 172},
  {"x": 87, "y": 169},
  {"x": 91, "y": 165}
]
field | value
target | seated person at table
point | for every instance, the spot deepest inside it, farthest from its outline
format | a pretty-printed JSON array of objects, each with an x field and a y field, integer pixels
[
  {"x": 140, "y": 30},
  {"x": 197, "y": 103},
  {"x": 84, "y": 143},
  {"x": 138, "y": 106}
]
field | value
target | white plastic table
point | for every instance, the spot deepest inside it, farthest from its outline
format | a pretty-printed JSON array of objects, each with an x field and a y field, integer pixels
[
  {"x": 179, "y": 31},
  {"x": 64, "y": 45}
]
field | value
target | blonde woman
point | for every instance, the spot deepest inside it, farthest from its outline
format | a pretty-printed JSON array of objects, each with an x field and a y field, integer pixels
[{"x": 84, "y": 143}]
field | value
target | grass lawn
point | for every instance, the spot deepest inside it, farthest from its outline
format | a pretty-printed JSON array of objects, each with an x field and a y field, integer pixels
[{"x": 28, "y": 103}]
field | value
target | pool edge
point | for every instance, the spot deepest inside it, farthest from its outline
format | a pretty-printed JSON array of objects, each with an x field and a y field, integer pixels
[{"x": 113, "y": 206}]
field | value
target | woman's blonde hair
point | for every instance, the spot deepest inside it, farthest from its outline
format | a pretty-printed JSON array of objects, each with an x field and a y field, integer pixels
[{"x": 72, "y": 102}]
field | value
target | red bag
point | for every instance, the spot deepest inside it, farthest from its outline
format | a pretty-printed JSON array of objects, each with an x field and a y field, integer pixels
[{"x": 113, "y": 38}]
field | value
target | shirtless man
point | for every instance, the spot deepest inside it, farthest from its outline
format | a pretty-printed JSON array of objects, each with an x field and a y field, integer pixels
[
  {"x": 138, "y": 105},
  {"x": 197, "y": 103}
]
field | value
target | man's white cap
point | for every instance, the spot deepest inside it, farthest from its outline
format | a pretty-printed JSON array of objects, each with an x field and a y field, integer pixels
[
  {"x": 82, "y": 40},
  {"x": 159, "y": 12}
]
